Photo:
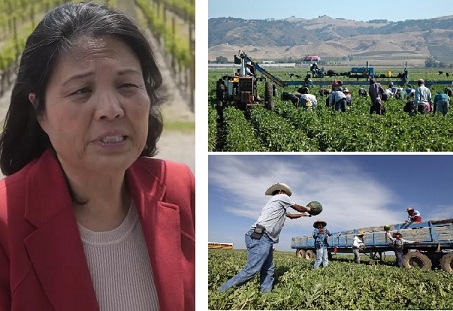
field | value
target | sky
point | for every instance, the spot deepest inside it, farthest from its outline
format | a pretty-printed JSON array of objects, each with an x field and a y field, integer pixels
[
  {"x": 356, "y": 191},
  {"x": 358, "y": 10}
]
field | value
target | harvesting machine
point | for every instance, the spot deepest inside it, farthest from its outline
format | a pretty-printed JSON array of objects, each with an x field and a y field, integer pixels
[
  {"x": 434, "y": 245},
  {"x": 240, "y": 89}
]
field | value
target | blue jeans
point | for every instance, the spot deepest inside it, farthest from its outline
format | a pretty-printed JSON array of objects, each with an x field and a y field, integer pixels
[
  {"x": 442, "y": 106},
  {"x": 259, "y": 259},
  {"x": 356, "y": 252},
  {"x": 399, "y": 258},
  {"x": 340, "y": 105},
  {"x": 321, "y": 256}
]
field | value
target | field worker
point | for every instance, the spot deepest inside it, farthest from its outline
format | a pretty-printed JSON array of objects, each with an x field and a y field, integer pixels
[
  {"x": 441, "y": 103},
  {"x": 262, "y": 236},
  {"x": 357, "y": 246},
  {"x": 336, "y": 84},
  {"x": 413, "y": 215},
  {"x": 306, "y": 100},
  {"x": 375, "y": 90},
  {"x": 320, "y": 235},
  {"x": 338, "y": 99},
  {"x": 423, "y": 97},
  {"x": 398, "y": 246},
  {"x": 410, "y": 92},
  {"x": 348, "y": 98}
]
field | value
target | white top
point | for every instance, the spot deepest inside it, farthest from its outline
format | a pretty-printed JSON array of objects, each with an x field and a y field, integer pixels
[
  {"x": 119, "y": 266},
  {"x": 357, "y": 242}
]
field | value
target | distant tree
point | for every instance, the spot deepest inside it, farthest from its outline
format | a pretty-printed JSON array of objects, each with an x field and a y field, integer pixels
[
  {"x": 221, "y": 60},
  {"x": 431, "y": 62}
]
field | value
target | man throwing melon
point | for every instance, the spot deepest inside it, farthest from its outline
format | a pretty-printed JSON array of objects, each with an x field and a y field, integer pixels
[{"x": 264, "y": 233}]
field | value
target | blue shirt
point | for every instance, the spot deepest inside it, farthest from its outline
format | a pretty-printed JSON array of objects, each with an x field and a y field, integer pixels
[
  {"x": 441, "y": 97},
  {"x": 320, "y": 237},
  {"x": 273, "y": 215}
]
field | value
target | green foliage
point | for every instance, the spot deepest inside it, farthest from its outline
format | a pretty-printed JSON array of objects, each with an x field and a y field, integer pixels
[
  {"x": 343, "y": 285},
  {"x": 212, "y": 116},
  {"x": 240, "y": 135},
  {"x": 177, "y": 46}
]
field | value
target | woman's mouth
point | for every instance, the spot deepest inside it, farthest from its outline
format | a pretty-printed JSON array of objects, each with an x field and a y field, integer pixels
[{"x": 113, "y": 139}]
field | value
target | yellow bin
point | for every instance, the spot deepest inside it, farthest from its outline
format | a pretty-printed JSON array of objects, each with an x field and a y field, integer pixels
[{"x": 388, "y": 74}]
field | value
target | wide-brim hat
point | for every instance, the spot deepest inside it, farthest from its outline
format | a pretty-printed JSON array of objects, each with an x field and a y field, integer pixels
[
  {"x": 319, "y": 221},
  {"x": 409, "y": 209},
  {"x": 397, "y": 233},
  {"x": 360, "y": 233},
  {"x": 279, "y": 186}
]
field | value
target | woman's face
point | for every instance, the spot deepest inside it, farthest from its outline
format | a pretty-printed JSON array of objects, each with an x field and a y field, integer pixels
[{"x": 96, "y": 109}]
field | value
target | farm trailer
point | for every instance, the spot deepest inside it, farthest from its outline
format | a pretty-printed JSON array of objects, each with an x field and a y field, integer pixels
[{"x": 434, "y": 245}]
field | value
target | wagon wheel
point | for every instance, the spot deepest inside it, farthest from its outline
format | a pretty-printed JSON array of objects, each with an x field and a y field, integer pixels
[
  {"x": 416, "y": 259},
  {"x": 446, "y": 263},
  {"x": 329, "y": 255},
  {"x": 268, "y": 92},
  {"x": 300, "y": 253},
  {"x": 309, "y": 254}
]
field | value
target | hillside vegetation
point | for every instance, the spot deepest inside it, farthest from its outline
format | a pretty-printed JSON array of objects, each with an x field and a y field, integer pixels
[{"x": 330, "y": 37}]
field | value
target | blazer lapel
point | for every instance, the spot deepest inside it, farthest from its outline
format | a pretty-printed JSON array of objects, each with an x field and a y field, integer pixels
[
  {"x": 55, "y": 247},
  {"x": 162, "y": 230}
]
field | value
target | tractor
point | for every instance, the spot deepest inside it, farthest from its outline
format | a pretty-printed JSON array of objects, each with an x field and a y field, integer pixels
[{"x": 241, "y": 89}]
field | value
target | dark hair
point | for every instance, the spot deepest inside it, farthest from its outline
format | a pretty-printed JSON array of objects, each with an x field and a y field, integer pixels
[{"x": 22, "y": 139}]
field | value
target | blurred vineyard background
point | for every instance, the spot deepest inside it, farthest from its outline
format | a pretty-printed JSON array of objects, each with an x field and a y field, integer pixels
[{"x": 170, "y": 27}]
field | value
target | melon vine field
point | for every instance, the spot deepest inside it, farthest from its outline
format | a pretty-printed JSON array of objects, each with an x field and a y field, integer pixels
[
  {"x": 343, "y": 285},
  {"x": 290, "y": 128}
]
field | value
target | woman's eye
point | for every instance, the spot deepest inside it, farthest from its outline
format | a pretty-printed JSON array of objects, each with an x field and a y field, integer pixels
[
  {"x": 129, "y": 85},
  {"x": 84, "y": 90}
]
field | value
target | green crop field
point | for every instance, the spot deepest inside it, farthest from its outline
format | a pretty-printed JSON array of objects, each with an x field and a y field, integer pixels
[
  {"x": 343, "y": 285},
  {"x": 289, "y": 128}
]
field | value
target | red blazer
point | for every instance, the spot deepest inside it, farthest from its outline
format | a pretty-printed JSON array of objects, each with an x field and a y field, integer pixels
[{"x": 42, "y": 262}]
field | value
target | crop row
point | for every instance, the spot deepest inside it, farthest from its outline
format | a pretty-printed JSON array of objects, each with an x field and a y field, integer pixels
[
  {"x": 240, "y": 134},
  {"x": 343, "y": 285}
]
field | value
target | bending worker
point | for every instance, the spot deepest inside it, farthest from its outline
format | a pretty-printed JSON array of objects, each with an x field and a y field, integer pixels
[{"x": 262, "y": 236}]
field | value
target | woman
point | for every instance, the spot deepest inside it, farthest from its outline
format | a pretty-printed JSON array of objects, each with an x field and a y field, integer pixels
[{"x": 87, "y": 220}]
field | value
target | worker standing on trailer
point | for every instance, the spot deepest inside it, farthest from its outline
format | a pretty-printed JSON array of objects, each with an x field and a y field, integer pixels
[
  {"x": 262, "y": 236},
  {"x": 398, "y": 246},
  {"x": 414, "y": 215}
]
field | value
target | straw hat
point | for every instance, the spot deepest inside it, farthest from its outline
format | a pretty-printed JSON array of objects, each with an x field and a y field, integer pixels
[
  {"x": 319, "y": 221},
  {"x": 409, "y": 209},
  {"x": 360, "y": 233},
  {"x": 279, "y": 186}
]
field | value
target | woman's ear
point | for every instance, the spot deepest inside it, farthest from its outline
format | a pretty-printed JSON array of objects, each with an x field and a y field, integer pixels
[{"x": 32, "y": 99}]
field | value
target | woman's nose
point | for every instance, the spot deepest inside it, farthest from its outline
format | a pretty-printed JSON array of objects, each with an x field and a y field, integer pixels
[{"x": 108, "y": 106}]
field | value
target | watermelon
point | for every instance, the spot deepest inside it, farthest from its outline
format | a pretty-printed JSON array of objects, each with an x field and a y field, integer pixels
[
  {"x": 387, "y": 227},
  {"x": 316, "y": 208}
]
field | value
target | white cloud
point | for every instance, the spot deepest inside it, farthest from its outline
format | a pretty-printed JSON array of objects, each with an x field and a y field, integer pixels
[{"x": 351, "y": 198}]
